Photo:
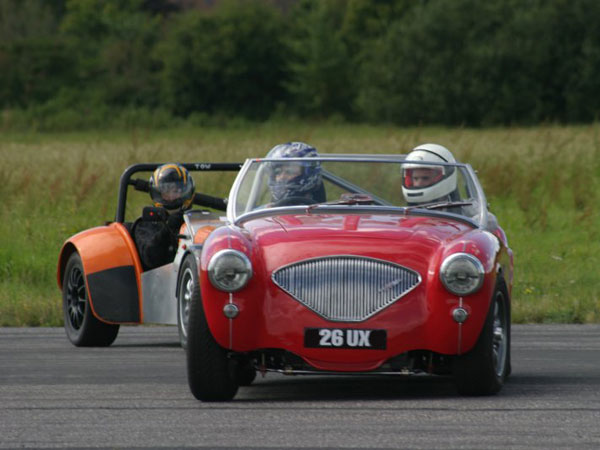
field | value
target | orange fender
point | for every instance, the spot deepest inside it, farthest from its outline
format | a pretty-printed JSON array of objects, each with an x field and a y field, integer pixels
[{"x": 112, "y": 268}]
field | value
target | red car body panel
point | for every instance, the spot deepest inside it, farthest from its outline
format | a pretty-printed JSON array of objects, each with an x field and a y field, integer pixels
[{"x": 270, "y": 318}]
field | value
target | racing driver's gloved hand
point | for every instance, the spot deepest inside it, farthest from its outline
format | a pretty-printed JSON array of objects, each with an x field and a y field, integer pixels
[{"x": 174, "y": 222}]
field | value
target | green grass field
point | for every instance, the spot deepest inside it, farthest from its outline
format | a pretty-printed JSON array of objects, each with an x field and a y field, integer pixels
[{"x": 542, "y": 183}]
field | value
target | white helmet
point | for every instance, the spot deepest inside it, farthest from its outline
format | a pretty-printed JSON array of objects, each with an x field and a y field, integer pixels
[{"x": 424, "y": 183}]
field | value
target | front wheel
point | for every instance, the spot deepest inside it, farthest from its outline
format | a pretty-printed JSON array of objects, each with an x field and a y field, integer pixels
[
  {"x": 483, "y": 370},
  {"x": 245, "y": 373},
  {"x": 211, "y": 372},
  {"x": 185, "y": 292},
  {"x": 82, "y": 328}
]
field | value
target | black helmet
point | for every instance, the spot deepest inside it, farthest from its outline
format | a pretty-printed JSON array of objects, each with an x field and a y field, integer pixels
[{"x": 171, "y": 187}]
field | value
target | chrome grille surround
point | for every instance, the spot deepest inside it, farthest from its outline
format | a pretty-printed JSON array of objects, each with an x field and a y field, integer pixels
[{"x": 346, "y": 288}]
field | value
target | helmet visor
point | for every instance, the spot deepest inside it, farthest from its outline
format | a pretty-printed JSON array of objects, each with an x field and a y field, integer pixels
[
  {"x": 171, "y": 187},
  {"x": 287, "y": 172},
  {"x": 422, "y": 177},
  {"x": 170, "y": 192}
]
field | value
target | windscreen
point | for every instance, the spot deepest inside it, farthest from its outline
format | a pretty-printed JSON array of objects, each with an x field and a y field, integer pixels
[{"x": 284, "y": 183}]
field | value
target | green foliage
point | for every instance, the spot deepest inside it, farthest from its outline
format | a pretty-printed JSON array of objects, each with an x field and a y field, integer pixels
[
  {"x": 367, "y": 20},
  {"x": 25, "y": 19},
  {"x": 112, "y": 42},
  {"x": 228, "y": 60},
  {"x": 98, "y": 58},
  {"x": 33, "y": 65},
  {"x": 319, "y": 62},
  {"x": 472, "y": 62},
  {"x": 453, "y": 62},
  {"x": 433, "y": 66},
  {"x": 32, "y": 71},
  {"x": 582, "y": 92}
]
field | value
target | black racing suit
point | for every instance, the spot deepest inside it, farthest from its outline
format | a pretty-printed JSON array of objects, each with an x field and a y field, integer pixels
[{"x": 157, "y": 241}]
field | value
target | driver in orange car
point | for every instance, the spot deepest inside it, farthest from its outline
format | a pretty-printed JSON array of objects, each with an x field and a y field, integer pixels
[{"x": 171, "y": 188}]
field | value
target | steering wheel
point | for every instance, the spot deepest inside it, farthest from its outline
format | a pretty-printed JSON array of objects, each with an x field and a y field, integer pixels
[{"x": 295, "y": 200}]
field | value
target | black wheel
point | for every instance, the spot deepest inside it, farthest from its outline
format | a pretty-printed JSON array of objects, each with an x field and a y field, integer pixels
[
  {"x": 245, "y": 373},
  {"x": 211, "y": 373},
  {"x": 185, "y": 291},
  {"x": 484, "y": 369},
  {"x": 82, "y": 328},
  {"x": 291, "y": 201}
]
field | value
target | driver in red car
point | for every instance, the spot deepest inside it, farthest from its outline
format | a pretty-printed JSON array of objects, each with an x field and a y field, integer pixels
[
  {"x": 171, "y": 188},
  {"x": 295, "y": 182}
]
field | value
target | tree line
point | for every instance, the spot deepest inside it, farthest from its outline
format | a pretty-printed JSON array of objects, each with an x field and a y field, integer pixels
[{"x": 450, "y": 62}]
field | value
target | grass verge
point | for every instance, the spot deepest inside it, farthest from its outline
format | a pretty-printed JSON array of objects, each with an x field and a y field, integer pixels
[{"x": 542, "y": 183}]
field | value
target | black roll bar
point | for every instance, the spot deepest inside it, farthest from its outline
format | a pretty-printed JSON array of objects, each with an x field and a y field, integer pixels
[{"x": 143, "y": 185}]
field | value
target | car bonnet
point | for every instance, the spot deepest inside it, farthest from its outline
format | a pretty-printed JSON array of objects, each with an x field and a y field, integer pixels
[{"x": 407, "y": 240}]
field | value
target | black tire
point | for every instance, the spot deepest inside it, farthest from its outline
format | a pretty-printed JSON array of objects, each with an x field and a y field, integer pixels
[
  {"x": 185, "y": 291},
  {"x": 484, "y": 369},
  {"x": 245, "y": 373},
  {"x": 82, "y": 328},
  {"x": 211, "y": 373}
]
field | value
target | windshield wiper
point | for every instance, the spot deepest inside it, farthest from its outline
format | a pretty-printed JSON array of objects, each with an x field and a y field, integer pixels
[
  {"x": 347, "y": 199},
  {"x": 437, "y": 205},
  {"x": 364, "y": 199}
]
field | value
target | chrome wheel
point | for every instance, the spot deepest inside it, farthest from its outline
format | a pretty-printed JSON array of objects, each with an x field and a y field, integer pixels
[
  {"x": 76, "y": 298},
  {"x": 482, "y": 370},
  {"x": 185, "y": 300},
  {"x": 499, "y": 338}
]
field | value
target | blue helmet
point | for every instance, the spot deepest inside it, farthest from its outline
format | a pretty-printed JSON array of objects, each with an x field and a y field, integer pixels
[{"x": 305, "y": 181}]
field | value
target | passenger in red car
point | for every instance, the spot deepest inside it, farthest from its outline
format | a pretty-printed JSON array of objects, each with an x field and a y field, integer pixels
[
  {"x": 428, "y": 183},
  {"x": 295, "y": 182},
  {"x": 425, "y": 177},
  {"x": 171, "y": 188}
]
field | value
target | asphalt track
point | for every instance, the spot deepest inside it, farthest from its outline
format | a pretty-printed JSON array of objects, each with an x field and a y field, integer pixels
[{"x": 135, "y": 394}]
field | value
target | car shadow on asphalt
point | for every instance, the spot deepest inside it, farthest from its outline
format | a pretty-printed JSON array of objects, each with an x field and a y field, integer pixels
[
  {"x": 344, "y": 388},
  {"x": 336, "y": 388},
  {"x": 146, "y": 345}
]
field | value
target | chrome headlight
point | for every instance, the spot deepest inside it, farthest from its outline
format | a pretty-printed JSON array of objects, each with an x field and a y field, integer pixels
[
  {"x": 229, "y": 270},
  {"x": 462, "y": 274}
]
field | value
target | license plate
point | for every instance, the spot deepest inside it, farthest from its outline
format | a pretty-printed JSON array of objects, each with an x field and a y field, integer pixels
[{"x": 345, "y": 338}]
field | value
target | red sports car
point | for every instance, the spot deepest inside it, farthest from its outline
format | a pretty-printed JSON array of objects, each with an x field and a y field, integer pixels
[{"x": 359, "y": 277}]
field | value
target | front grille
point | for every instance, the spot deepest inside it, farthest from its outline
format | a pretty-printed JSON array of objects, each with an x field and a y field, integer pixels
[{"x": 346, "y": 288}]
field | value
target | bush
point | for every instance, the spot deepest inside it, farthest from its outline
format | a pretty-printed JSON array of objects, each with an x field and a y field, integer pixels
[
  {"x": 471, "y": 62},
  {"x": 405, "y": 62},
  {"x": 113, "y": 43},
  {"x": 227, "y": 61},
  {"x": 319, "y": 63}
]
